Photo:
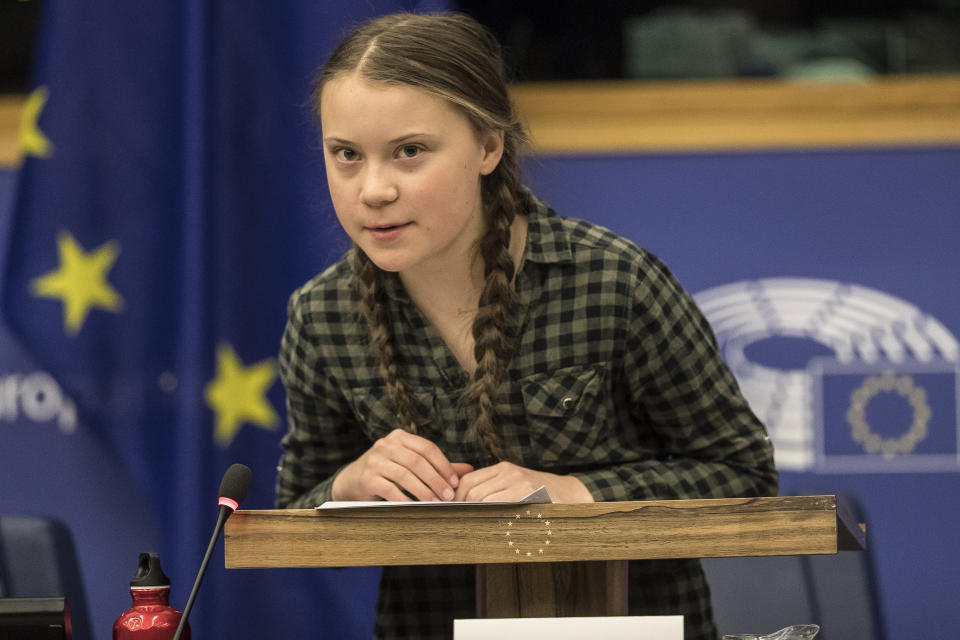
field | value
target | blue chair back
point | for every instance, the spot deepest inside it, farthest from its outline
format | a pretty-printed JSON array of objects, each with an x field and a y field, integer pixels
[{"x": 38, "y": 559}]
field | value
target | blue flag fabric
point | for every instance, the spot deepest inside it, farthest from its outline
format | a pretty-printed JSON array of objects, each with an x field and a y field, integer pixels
[{"x": 171, "y": 198}]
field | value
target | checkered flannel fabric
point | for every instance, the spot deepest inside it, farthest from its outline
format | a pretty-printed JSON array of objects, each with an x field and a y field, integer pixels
[{"x": 615, "y": 378}]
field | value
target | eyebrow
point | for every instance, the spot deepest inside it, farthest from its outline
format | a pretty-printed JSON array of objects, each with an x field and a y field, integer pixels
[{"x": 335, "y": 140}]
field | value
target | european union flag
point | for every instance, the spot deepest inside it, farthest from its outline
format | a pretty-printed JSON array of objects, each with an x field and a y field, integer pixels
[
  {"x": 887, "y": 416},
  {"x": 171, "y": 198}
]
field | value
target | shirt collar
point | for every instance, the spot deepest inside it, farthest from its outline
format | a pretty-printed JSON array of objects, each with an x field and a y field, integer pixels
[{"x": 546, "y": 240}]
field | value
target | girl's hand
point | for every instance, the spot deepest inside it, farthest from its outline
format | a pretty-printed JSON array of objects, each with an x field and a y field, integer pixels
[
  {"x": 398, "y": 462},
  {"x": 507, "y": 482}
]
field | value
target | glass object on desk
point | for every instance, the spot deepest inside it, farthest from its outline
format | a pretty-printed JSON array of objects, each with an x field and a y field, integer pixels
[{"x": 796, "y": 632}]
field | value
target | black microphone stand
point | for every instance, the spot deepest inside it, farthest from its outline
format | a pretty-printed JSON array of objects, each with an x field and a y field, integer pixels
[{"x": 224, "y": 513}]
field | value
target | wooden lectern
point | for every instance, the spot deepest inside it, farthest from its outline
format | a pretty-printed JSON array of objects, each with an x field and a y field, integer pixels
[{"x": 542, "y": 560}]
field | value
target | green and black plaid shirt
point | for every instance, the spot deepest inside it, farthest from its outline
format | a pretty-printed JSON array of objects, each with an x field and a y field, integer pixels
[{"x": 616, "y": 379}]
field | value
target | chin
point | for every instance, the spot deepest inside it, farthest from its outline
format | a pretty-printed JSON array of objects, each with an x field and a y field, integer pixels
[{"x": 391, "y": 264}]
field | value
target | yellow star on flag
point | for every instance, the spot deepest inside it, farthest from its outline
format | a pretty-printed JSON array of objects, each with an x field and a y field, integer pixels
[
  {"x": 80, "y": 281},
  {"x": 238, "y": 394},
  {"x": 32, "y": 140}
]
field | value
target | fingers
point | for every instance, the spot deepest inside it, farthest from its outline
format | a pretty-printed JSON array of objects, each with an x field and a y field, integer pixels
[
  {"x": 506, "y": 482},
  {"x": 503, "y": 481},
  {"x": 461, "y": 469},
  {"x": 383, "y": 488},
  {"x": 412, "y": 464},
  {"x": 469, "y": 483},
  {"x": 426, "y": 460},
  {"x": 398, "y": 466}
]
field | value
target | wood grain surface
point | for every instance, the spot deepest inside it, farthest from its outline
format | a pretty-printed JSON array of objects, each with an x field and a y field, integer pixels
[
  {"x": 471, "y": 534},
  {"x": 739, "y": 115}
]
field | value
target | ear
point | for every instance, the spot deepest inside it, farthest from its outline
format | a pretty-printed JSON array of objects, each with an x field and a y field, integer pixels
[{"x": 492, "y": 151}]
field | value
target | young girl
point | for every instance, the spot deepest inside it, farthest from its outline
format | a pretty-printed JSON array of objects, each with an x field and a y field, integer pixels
[{"x": 474, "y": 346}]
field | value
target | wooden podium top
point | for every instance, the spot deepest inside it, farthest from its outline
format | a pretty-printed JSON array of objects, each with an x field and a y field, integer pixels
[{"x": 481, "y": 534}]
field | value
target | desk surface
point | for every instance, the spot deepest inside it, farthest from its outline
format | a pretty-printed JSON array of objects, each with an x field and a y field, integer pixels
[{"x": 480, "y": 534}]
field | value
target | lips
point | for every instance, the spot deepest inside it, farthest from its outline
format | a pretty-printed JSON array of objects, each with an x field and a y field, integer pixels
[{"x": 386, "y": 232}]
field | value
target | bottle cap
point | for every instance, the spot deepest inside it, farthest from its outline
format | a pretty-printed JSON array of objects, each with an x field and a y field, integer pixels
[{"x": 149, "y": 573}]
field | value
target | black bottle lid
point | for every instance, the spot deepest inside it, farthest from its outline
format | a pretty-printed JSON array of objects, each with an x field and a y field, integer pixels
[{"x": 150, "y": 574}]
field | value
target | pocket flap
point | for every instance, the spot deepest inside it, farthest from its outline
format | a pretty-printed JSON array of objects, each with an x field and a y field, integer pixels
[
  {"x": 562, "y": 392},
  {"x": 374, "y": 409}
]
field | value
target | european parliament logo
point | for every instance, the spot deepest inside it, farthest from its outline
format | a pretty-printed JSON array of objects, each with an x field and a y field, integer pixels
[{"x": 846, "y": 378}]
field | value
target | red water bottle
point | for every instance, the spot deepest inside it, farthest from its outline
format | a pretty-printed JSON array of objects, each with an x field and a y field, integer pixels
[{"x": 151, "y": 617}]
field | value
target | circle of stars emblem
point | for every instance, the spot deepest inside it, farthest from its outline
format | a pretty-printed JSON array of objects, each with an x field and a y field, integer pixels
[
  {"x": 888, "y": 383},
  {"x": 528, "y": 535}
]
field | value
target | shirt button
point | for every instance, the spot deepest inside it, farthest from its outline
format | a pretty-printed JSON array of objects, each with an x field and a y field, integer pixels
[{"x": 567, "y": 403}]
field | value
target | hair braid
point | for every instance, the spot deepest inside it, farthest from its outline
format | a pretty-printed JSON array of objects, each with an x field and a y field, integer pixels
[
  {"x": 367, "y": 282},
  {"x": 491, "y": 328}
]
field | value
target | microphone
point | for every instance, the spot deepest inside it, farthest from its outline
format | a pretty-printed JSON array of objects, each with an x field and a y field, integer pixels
[{"x": 233, "y": 489}]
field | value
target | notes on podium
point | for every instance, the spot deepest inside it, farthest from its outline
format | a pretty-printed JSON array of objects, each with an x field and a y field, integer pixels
[{"x": 539, "y": 496}]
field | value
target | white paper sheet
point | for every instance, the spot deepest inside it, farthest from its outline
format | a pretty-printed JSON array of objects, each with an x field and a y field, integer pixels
[
  {"x": 540, "y": 496},
  {"x": 608, "y": 628}
]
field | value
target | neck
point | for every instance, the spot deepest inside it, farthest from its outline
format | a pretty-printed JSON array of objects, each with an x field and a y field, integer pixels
[
  {"x": 456, "y": 287},
  {"x": 449, "y": 297}
]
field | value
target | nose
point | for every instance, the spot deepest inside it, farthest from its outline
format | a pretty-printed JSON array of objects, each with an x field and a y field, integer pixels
[{"x": 378, "y": 188}]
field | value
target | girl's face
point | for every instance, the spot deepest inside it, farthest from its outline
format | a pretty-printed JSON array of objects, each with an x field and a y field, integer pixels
[{"x": 404, "y": 167}]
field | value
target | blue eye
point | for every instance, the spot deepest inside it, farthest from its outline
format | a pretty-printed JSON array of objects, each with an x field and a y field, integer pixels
[{"x": 345, "y": 154}]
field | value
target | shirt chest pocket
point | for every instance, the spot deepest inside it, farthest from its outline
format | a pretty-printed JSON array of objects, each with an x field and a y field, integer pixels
[
  {"x": 566, "y": 414},
  {"x": 374, "y": 410}
]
